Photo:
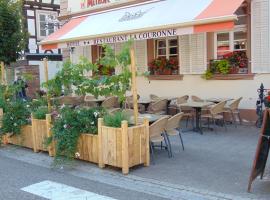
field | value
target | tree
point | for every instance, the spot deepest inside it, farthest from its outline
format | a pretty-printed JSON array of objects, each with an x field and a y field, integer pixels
[{"x": 13, "y": 36}]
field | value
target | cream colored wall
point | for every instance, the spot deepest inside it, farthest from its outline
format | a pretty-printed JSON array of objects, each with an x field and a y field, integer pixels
[{"x": 195, "y": 85}]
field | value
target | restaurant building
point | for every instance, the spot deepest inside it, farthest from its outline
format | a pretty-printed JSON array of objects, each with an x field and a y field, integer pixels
[{"x": 188, "y": 35}]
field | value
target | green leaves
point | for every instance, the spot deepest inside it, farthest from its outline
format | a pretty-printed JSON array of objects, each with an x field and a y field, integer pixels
[
  {"x": 13, "y": 37},
  {"x": 71, "y": 78},
  {"x": 115, "y": 120},
  {"x": 68, "y": 126}
]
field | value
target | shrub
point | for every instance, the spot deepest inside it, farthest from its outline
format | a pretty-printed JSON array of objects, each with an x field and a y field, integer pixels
[
  {"x": 17, "y": 114},
  {"x": 115, "y": 120},
  {"x": 40, "y": 113},
  {"x": 68, "y": 126}
]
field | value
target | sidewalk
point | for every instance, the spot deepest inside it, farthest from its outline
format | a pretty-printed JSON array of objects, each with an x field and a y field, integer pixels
[{"x": 136, "y": 181}]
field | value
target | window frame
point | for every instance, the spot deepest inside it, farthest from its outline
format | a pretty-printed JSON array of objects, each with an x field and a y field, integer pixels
[
  {"x": 168, "y": 55},
  {"x": 46, "y": 13}
]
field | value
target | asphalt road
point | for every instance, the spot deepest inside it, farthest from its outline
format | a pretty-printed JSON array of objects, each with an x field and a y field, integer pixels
[{"x": 15, "y": 175}]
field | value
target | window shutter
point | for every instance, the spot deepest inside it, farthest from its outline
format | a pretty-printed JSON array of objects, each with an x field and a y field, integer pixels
[
  {"x": 198, "y": 53},
  {"x": 260, "y": 26},
  {"x": 192, "y": 53},
  {"x": 184, "y": 45},
  {"x": 141, "y": 55}
]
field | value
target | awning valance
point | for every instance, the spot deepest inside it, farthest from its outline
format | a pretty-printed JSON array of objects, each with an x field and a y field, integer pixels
[{"x": 154, "y": 19}]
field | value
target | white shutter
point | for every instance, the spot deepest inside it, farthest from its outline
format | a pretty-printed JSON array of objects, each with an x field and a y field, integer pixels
[
  {"x": 198, "y": 63},
  {"x": 193, "y": 54},
  {"x": 184, "y": 45},
  {"x": 260, "y": 30},
  {"x": 141, "y": 55}
]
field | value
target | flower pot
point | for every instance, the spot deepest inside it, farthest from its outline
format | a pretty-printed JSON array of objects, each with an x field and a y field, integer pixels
[
  {"x": 167, "y": 72},
  {"x": 234, "y": 70},
  {"x": 156, "y": 72}
]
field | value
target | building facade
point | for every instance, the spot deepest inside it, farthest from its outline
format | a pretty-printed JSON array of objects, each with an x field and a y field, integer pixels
[
  {"x": 245, "y": 45},
  {"x": 41, "y": 21}
]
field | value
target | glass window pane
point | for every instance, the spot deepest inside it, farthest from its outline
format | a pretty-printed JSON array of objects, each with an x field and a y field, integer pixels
[
  {"x": 241, "y": 10},
  {"x": 43, "y": 33},
  {"x": 162, "y": 43},
  {"x": 162, "y": 52},
  {"x": 223, "y": 37},
  {"x": 173, "y": 50},
  {"x": 240, "y": 35},
  {"x": 238, "y": 45},
  {"x": 173, "y": 42},
  {"x": 43, "y": 25},
  {"x": 222, "y": 54},
  {"x": 42, "y": 18}
]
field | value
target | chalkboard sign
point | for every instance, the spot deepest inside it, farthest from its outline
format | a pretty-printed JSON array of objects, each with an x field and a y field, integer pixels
[{"x": 262, "y": 151}]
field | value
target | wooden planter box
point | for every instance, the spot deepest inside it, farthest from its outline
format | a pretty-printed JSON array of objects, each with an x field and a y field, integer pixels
[
  {"x": 41, "y": 131},
  {"x": 123, "y": 147},
  {"x": 25, "y": 138},
  {"x": 88, "y": 148}
]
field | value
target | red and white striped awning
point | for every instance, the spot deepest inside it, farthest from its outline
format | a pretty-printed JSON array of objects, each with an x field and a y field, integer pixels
[{"x": 154, "y": 19}]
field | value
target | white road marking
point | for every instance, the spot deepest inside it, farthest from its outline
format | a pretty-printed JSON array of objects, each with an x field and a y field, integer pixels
[{"x": 57, "y": 191}]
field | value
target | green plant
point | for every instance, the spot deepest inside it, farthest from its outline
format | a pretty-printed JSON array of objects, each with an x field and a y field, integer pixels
[
  {"x": 40, "y": 113},
  {"x": 222, "y": 66},
  {"x": 68, "y": 126},
  {"x": 17, "y": 114},
  {"x": 115, "y": 120},
  {"x": 13, "y": 38},
  {"x": 208, "y": 74}
]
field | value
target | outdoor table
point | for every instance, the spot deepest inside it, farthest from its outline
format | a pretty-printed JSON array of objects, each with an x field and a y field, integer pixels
[
  {"x": 98, "y": 100},
  {"x": 197, "y": 106},
  {"x": 218, "y": 100},
  {"x": 151, "y": 117}
]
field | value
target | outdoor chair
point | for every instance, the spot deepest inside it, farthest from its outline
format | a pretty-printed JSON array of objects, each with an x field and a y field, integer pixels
[
  {"x": 128, "y": 113},
  {"x": 128, "y": 104},
  {"x": 88, "y": 102},
  {"x": 196, "y": 99},
  {"x": 157, "y": 135},
  {"x": 114, "y": 110},
  {"x": 110, "y": 103},
  {"x": 233, "y": 109},
  {"x": 158, "y": 107},
  {"x": 154, "y": 97},
  {"x": 216, "y": 113},
  {"x": 173, "y": 128}
]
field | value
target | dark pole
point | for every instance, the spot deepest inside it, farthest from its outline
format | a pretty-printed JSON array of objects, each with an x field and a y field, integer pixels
[{"x": 259, "y": 106}]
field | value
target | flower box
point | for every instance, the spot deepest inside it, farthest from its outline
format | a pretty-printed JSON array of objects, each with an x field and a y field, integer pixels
[
  {"x": 88, "y": 148},
  {"x": 41, "y": 131},
  {"x": 24, "y": 139},
  {"x": 123, "y": 147}
]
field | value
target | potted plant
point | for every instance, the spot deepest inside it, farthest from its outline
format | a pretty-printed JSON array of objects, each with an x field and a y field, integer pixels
[{"x": 121, "y": 144}]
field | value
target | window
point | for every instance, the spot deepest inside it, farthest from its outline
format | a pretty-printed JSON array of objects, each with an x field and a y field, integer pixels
[
  {"x": 45, "y": 23},
  {"x": 233, "y": 44},
  {"x": 167, "y": 48},
  {"x": 102, "y": 69}
]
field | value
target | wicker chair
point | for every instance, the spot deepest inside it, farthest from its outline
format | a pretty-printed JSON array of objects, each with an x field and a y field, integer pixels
[
  {"x": 157, "y": 135},
  {"x": 88, "y": 101},
  {"x": 154, "y": 97},
  {"x": 233, "y": 109},
  {"x": 110, "y": 102},
  {"x": 196, "y": 99},
  {"x": 128, "y": 112},
  {"x": 216, "y": 113},
  {"x": 158, "y": 107},
  {"x": 129, "y": 102},
  {"x": 173, "y": 127},
  {"x": 69, "y": 100},
  {"x": 114, "y": 110}
]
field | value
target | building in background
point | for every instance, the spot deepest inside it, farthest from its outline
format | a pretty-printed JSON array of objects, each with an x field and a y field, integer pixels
[
  {"x": 190, "y": 34},
  {"x": 41, "y": 21}
]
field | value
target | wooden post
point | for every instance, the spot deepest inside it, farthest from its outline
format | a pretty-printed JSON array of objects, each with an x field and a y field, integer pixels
[
  {"x": 100, "y": 146},
  {"x": 3, "y": 81},
  {"x": 34, "y": 134},
  {"x": 147, "y": 149},
  {"x": 134, "y": 85},
  {"x": 125, "y": 160},
  {"x": 49, "y": 134},
  {"x": 46, "y": 80}
]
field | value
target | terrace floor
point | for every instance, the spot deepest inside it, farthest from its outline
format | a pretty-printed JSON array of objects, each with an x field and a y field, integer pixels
[{"x": 217, "y": 162}]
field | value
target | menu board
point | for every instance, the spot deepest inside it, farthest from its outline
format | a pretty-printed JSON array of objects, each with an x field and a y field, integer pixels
[{"x": 262, "y": 151}]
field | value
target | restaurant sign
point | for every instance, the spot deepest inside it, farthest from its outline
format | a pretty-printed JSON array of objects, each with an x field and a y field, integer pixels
[
  {"x": 123, "y": 38},
  {"x": 82, "y": 5}
]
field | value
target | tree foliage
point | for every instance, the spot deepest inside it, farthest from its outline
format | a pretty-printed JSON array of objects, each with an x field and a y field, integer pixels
[{"x": 13, "y": 36}]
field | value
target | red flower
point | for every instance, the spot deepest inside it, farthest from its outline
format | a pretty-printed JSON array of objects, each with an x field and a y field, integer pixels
[{"x": 268, "y": 98}]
